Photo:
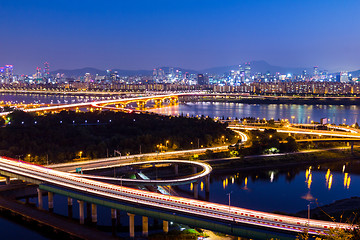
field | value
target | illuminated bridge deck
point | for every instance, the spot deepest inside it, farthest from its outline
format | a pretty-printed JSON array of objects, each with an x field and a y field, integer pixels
[{"x": 207, "y": 215}]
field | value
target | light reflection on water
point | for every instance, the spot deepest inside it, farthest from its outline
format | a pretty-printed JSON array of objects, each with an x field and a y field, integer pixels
[
  {"x": 301, "y": 113},
  {"x": 287, "y": 190}
]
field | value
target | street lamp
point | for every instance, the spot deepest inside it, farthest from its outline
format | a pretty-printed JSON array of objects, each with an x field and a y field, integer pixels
[
  {"x": 308, "y": 225},
  {"x": 308, "y": 119},
  {"x": 80, "y": 154},
  {"x": 229, "y": 194},
  {"x": 292, "y": 119}
]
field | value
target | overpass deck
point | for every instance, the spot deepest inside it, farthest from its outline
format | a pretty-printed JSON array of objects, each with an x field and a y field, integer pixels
[{"x": 112, "y": 195}]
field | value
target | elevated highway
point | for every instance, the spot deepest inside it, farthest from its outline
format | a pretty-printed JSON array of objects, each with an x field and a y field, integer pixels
[
  {"x": 353, "y": 135},
  {"x": 205, "y": 171},
  {"x": 141, "y": 101},
  {"x": 174, "y": 208},
  {"x": 115, "y": 161}
]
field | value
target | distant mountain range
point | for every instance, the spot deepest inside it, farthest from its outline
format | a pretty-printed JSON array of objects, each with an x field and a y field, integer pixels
[
  {"x": 259, "y": 67},
  {"x": 256, "y": 67},
  {"x": 95, "y": 71}
]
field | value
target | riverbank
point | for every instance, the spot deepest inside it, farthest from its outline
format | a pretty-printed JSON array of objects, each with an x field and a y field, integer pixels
[
  {"x": 299, "y": 100},
  {"x": 344, "y": 210}
]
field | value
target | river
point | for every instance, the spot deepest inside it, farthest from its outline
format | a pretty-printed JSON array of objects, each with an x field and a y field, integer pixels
[{"x": 280, "y": 189}]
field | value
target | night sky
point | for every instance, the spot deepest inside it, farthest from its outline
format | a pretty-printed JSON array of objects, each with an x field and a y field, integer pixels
[{"x": 195, "y": 34}]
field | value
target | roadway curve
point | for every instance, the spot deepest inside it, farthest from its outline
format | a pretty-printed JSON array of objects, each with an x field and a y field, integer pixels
[
  {"x": 206, "y": 170},
  {"x": 212, "y": 211},
  {"x": 300, "y": 131}
]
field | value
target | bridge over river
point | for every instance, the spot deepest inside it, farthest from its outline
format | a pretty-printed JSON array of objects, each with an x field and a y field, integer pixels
[{"x": 221, "y": 218}]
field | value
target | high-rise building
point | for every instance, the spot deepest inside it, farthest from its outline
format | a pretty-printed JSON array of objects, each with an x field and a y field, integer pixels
[
  {"x": 202, "y": 80},
  {"x": 38, "y": 73},
  {"x": 46, "y": 70},
  {"x": 247, "y": 71},
  {"x": 242, "y": 73},
  {"x": 87, "y": 77},
  {"x": 8, "y": 72},
  {"x": 316, "y": 71},
  {"x": 2, "y": 74},
  {"x": 344, "y": 77},
  {"x": 159, "y": 75}
]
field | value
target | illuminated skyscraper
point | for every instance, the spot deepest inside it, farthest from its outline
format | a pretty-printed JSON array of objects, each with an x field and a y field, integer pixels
[
  {"x": 344, "y": 77},
  {"x": 8, "y": 71},
  {"x": 2, "y": 74},
  {"x": 46, "y": 70},
  {"x": 38, "y": 74},
  {"x": 202, "y": 80},
  {"x": 247, "y": 71},
  {"x": 242, "y": 73},
  {"x": 316, "y": 71}
]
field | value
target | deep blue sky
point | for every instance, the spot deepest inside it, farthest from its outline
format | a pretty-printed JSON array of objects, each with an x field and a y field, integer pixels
[{"x": 197, "y": 34}]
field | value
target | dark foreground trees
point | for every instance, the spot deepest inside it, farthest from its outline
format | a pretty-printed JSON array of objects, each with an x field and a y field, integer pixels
[{"x": 68, "y": 135}]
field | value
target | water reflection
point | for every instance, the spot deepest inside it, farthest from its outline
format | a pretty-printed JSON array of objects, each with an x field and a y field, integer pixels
[
  {"x": 301, "y": 113},
  {"x": 347, "y": 180},
  {"x": 283, "y": 189}
]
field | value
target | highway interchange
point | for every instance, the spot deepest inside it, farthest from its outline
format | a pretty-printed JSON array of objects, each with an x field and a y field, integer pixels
[
  {"x": 214, "y": 211},
  {"x": 176, "y": 204}
]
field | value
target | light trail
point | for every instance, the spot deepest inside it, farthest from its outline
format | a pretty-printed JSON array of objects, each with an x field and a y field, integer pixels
[
  {"x": 302, "y": 131},
  {"x": 193, "y": 207},
  {"x": 206, "y": 170}
]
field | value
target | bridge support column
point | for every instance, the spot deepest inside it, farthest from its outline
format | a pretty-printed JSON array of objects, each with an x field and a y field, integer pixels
[
  {"x": 352, "y": 148},
  {"x": 40, "y": 199},
  {"x": 145, "y": 226},
  {"x": 70, "y": 209},
  {"x": 196, "y": 190},
  {"x": 176, "y": 166},
  {"x": 93, "y": 213},
  {"x": 158, "y": 103},
  {"x": 207, "y": 183},
  {"x": 173, "y": 101},
  {"x": 81, "y": 211},
  {"x": 51, "y": 201},
  {"x": 141, "y": 105},
  {"x": 113, "y": 221},
  {"x": 131, "y": 225},
  {"x": 165, "y": 226},
  {"x": 7, "y": 180},
  {"x": 194, "y": 170}
]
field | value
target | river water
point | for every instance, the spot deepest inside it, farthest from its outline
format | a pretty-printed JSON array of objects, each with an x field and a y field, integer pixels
[
  {"x": 337, "y": 114},
  {"x": 288, "y": 189}
]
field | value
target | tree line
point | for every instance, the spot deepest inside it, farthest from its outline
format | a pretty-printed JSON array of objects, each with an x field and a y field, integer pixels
[{"x": 69, "y": 135}]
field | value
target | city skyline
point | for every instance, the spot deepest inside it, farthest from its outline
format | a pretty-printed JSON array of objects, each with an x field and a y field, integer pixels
[{"x": 188, "y": 34}]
